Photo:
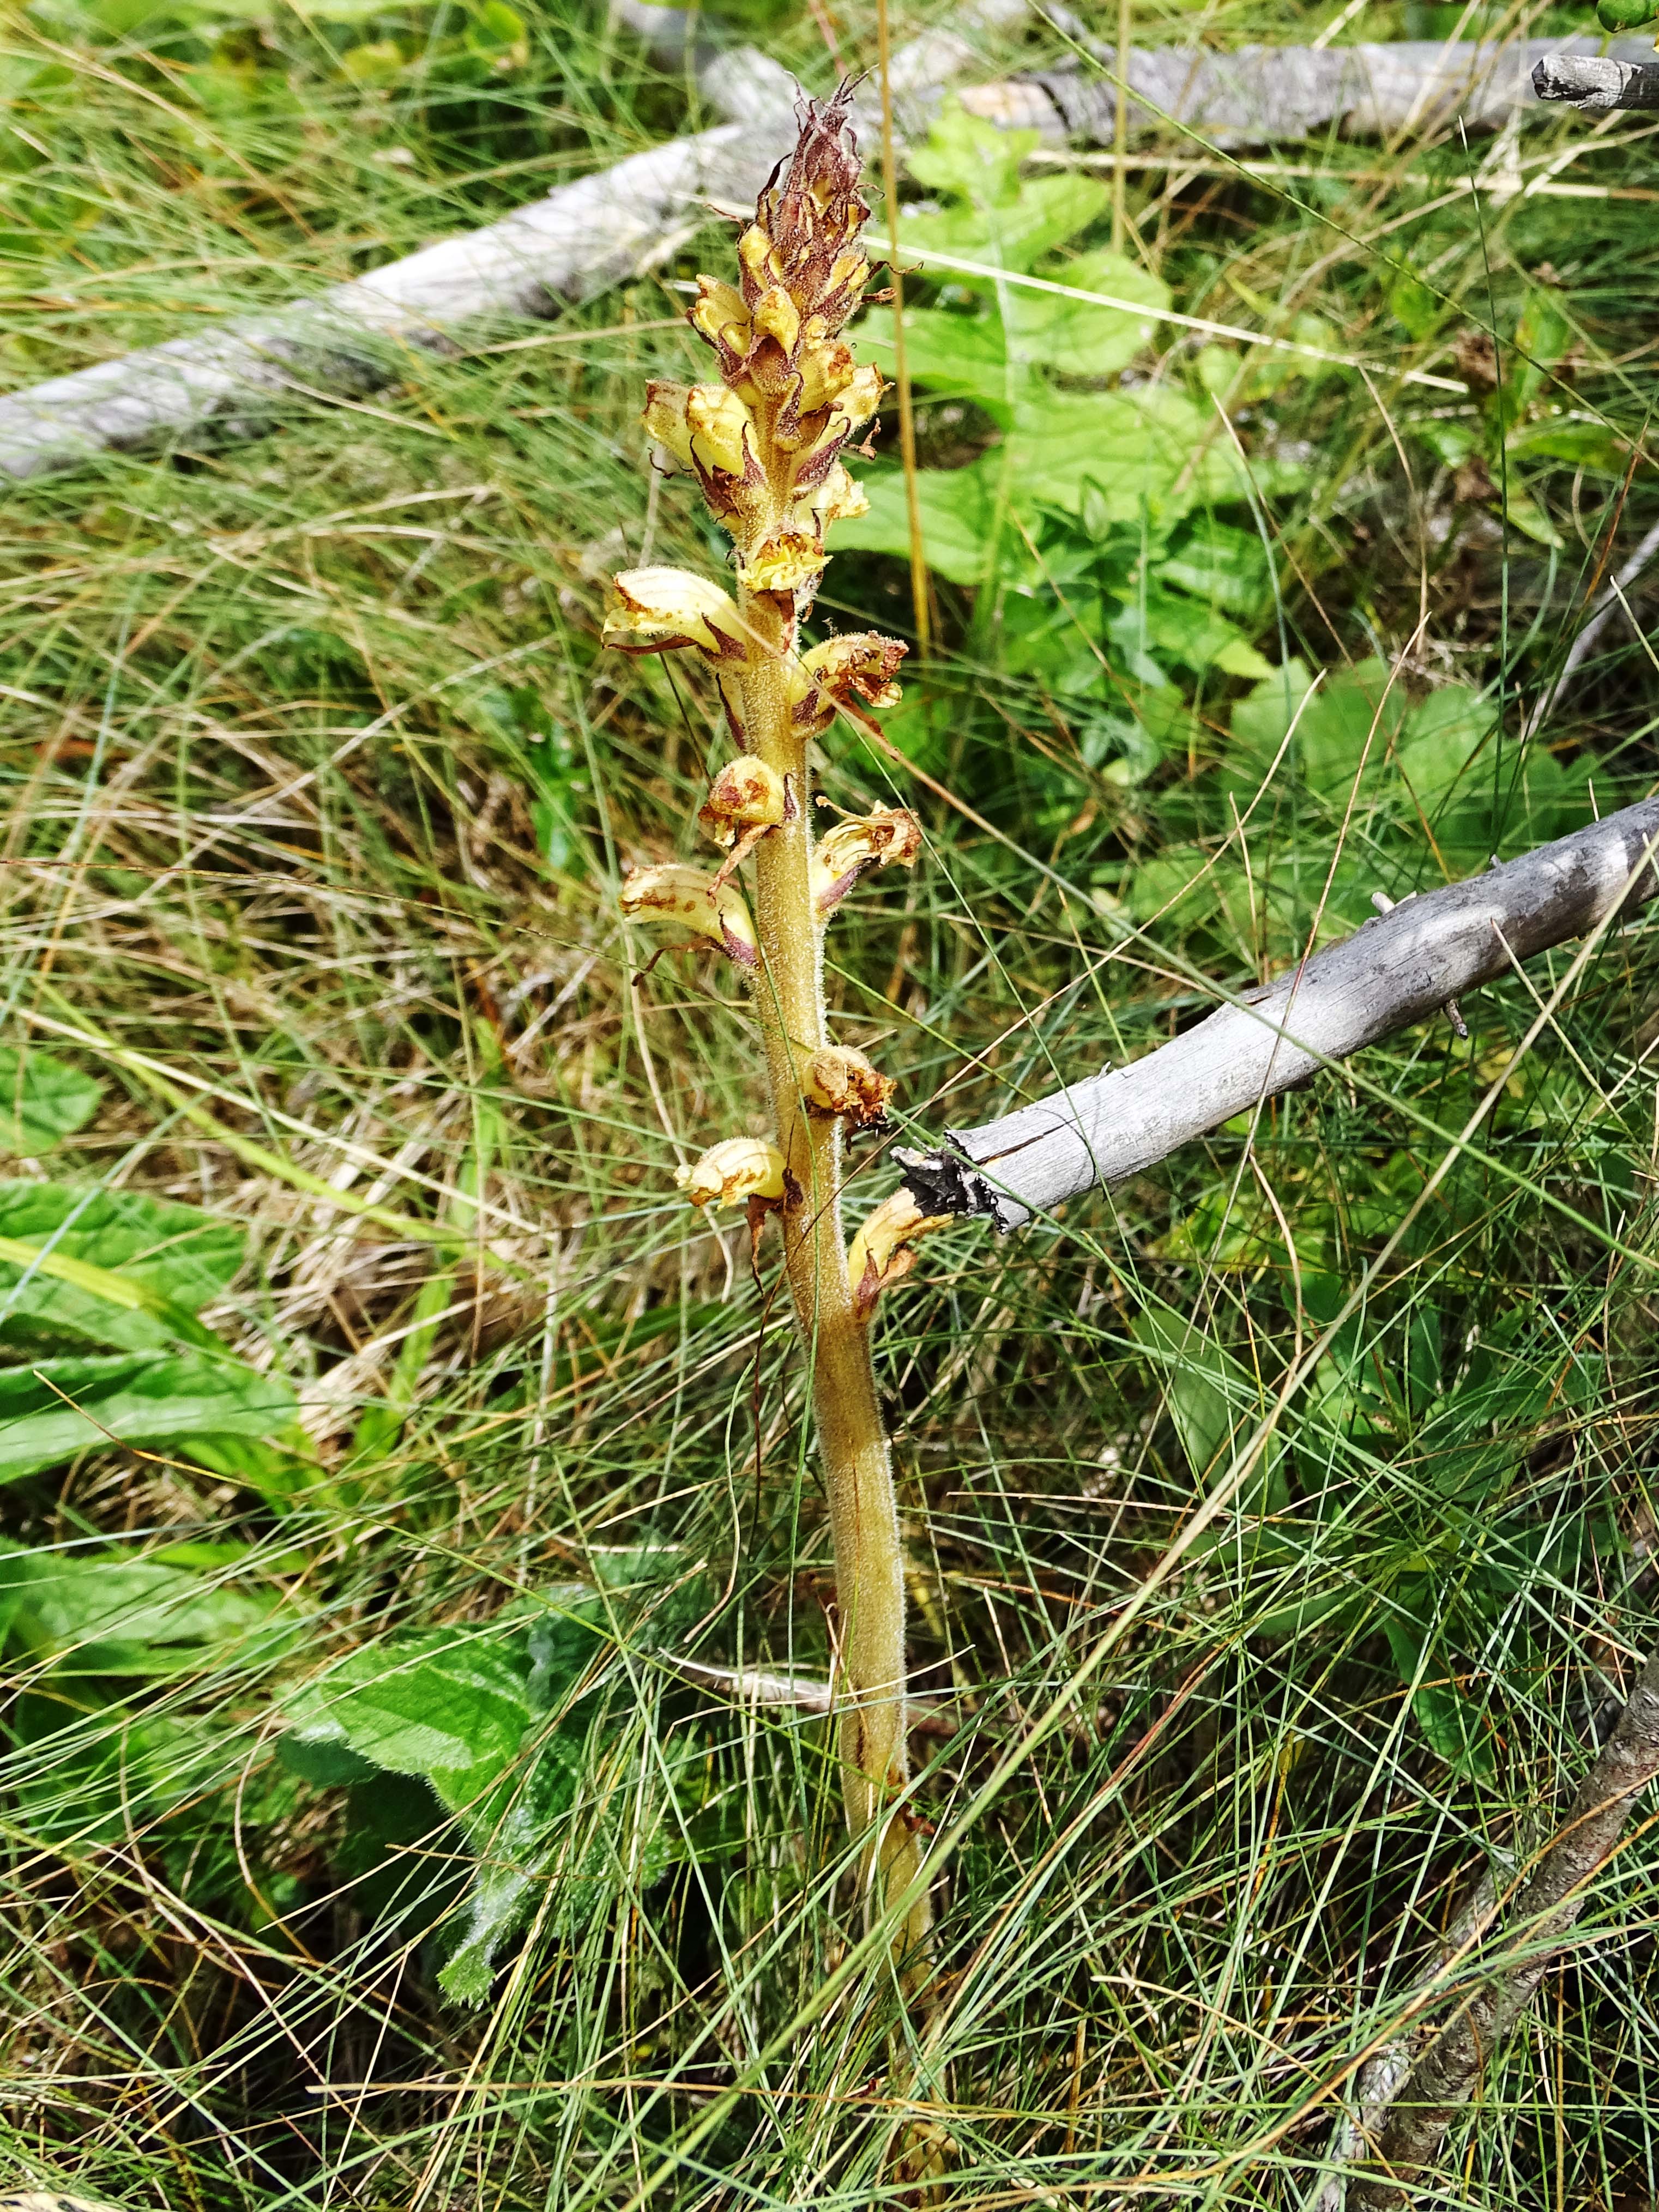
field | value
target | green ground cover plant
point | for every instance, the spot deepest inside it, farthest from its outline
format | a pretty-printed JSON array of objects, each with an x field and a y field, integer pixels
[{"x": 410, "y": 1510}]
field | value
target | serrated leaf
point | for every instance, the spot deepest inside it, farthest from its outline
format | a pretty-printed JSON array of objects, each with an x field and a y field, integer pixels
[
  {"x": 955, "y": 353},
  {"x": 42, "y": 1101},
  {"x": 1080, "y": 338},
  {"x": 1149, "y": 451},
  {"x": 488, "y": 1717},
  {"x": 52, "y": 1410},
  {"x": 1218, "y": 563}
]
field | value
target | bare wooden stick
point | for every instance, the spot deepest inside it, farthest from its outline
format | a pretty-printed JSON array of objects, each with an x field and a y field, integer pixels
[
  {"x": 1548, "y": 1904},
  {"x": 1596, "y": 82},
  {"x": 1392, "y": 973},
  {"x": 1258, "y": 95}
]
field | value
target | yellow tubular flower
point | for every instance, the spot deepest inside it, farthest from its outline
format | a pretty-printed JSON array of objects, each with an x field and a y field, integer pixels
[
  {"x": 728, "y": 1173},
  {"x": 869, "y": 841},
  {"x": 746, "y": 794},
  {"x": 691, "y": 897},
  {"x": 839, "y": 1080},
  {"x": 880, "y": 1253},
  {"x": 657, "y": 609}
]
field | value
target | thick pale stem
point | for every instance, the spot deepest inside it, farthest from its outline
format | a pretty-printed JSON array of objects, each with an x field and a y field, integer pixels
[{"x": 852, "y": 1438}]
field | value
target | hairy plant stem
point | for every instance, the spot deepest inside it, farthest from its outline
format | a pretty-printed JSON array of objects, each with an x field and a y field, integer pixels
[{"x": 857, "y": 1462}]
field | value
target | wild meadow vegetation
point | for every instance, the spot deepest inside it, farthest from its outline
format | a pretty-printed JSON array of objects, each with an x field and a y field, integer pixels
[{"x": 397, "y": 1471}]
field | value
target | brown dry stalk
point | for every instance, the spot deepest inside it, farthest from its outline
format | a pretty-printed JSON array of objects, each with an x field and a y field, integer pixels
[{"x": 765, "y": 443}]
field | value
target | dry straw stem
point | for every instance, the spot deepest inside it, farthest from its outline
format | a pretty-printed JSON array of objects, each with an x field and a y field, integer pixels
[
  {"x": 1546, "y": 1906},
  {"x": 764, "y": 443},
  {"x": 1393, "y": 972}
]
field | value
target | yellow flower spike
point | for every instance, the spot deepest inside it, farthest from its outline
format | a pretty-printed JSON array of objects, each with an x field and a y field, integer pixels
[
  {"x": 732, "y": 1173},
  {"x": 839, "y": 1080},
  {"x": 746, "y": 794},
  {"x": 657, "y": 609},
  {"x": 693, "y": 899},
  {"x": 881, "y": 1253},
  {"x": 869, "y": 841}
]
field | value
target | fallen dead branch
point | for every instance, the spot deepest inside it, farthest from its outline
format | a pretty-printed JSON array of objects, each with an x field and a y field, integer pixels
[
  {"x": 1596, "y": 83},
  {"x": 1258, "y": 95},
  {"x": 1392, "y": 973}
]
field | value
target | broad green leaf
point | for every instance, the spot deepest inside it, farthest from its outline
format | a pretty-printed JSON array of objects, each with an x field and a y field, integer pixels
[
  {"x": 1354, "y": 716},
  {"x": 52, "y": 1410},
  {"x": 109, "y": 1267},
  {"x": 997, "y": 215},
  {"x": 42, "y": 1101},
  {"x": 1079, "y": 337},
  {"x": 992, "y": 352},
  {"x": 109, "y": 1615},
  {"x": 491, "y": 1719},
  {"x": 1215, "y": 562},
  {"x": 1178, "y": 629},
  {"x": 1001, "y": 235},
  {"x": 1541, "y": 336},
  {"x": 957, "y": 354},
  {"x": 1590, "y": 445},
  {"x": 1443, "y": 736},
  {"x": 451, "y": 1705},
  {"x": 956, "y": 505},
  {"x": 1150, "y": 451},
  {"x": 1449, "y": 1720},
  {"x": 1525, "y": 515},
  {"x": 972, "y": 160},
  {"x": 1451, "y": 442}
]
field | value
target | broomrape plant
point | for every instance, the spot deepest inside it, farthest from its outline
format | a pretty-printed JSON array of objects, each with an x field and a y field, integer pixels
[{"x": 765, "y": 443}]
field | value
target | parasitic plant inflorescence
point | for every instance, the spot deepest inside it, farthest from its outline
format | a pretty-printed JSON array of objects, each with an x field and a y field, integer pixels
[{"x": 765, "y": 442}]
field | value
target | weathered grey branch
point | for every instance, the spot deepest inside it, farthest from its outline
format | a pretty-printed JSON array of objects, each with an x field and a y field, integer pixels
[
  {"x": 1596, "y": 82},
  {"x": 1393, "y": 972},
  {"x": 1258, "y": 95},
  {"x": 584, "y": 237},
  {"x": 1548, "y": 1904}
]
